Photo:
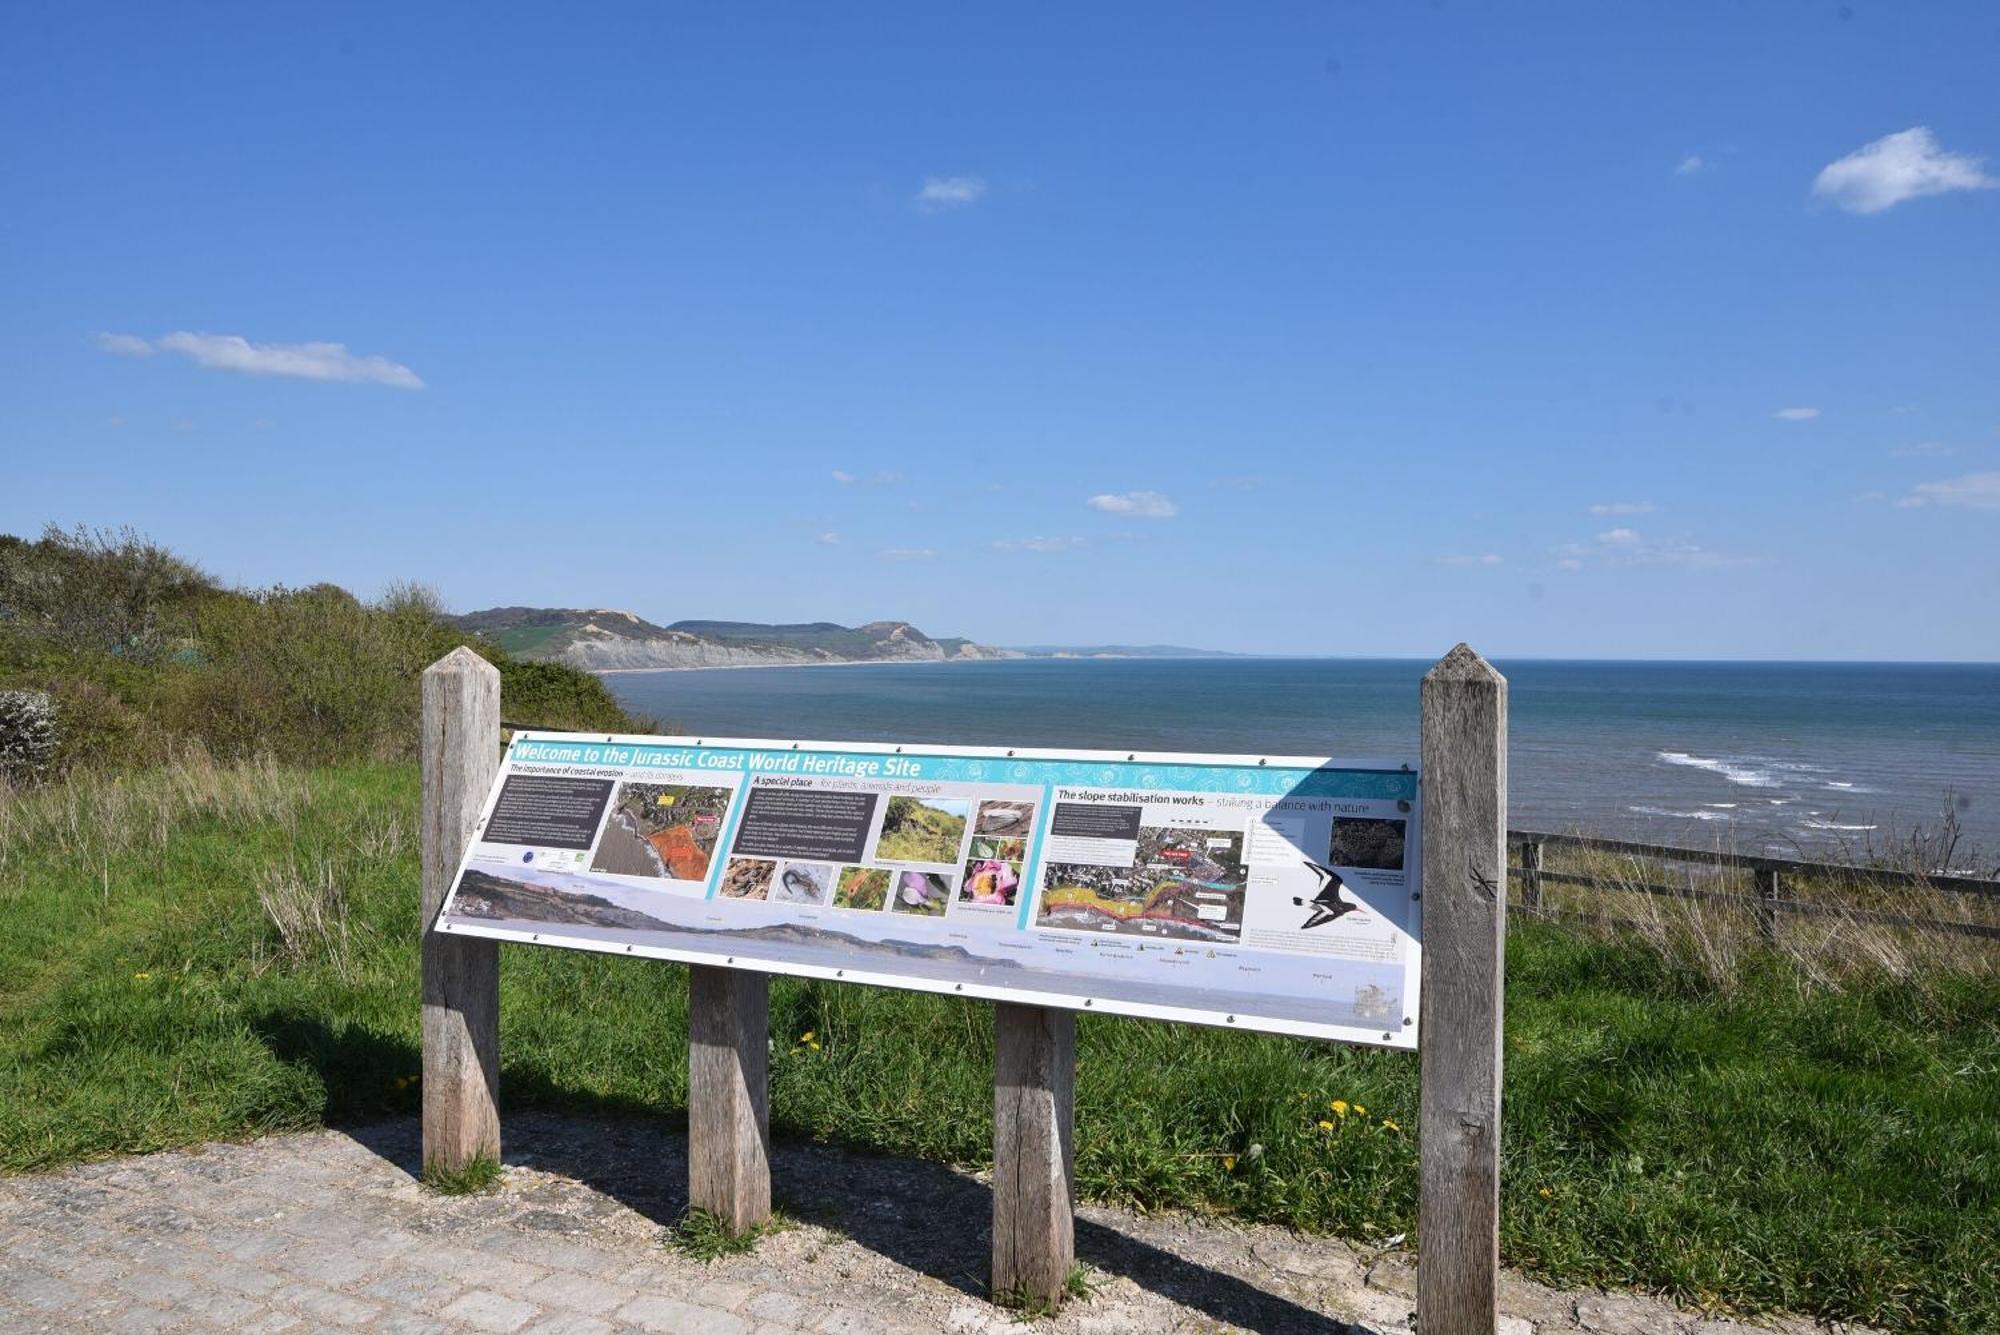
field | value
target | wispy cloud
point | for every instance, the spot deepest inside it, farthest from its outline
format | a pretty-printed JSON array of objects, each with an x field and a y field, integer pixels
[
  {"x": 907, "y": 553},
  {"x": 1037, "y": 544},
  {"x": 949, "y": 192},
  {"x": 295, "y": 361},
  {"x": 1923, "y": 449},
  {"x": 1604, "y": 508},
  {"x": 844, "y": 478},
  {"x": 829, "y": 540},
  {"x": 1629, "y": 547},
  {"x": 124, "y": 345},
  {"x": 1482, "y": 559},
  {"x": 1135, "y": 504},
  {"x": 1796, "y": 414},
  {"x": 1689, "y": 165},
  {"x": 1974, "y": 491},
  {"x": 1898, "y": 167}
]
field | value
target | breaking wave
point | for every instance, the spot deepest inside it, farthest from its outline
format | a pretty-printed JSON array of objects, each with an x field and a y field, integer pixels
[{"x": 1736, "y": 771}]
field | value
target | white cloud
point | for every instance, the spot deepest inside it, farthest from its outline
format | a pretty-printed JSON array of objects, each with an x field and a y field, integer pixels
[
  {"x": 1483, "y": 559},
  {"x": 1135, "y": 504},
  {"x": 1927, "y": 449},
  {"x": 1628, "y": 547},
  {"x": 1689, "y": 165},
  {"x": 1037, "y": 544},
  {"x": 908, "y": 553},
  {"x": 828, "y": 540},
  {"x": 1898, "y": 167},
  {"x": 843, "y": 477},
  {"x": 297, "y": 361},
  {"x": 1796, "y": 414},
  {"x": 124, "y": 345},
  {"x": 949, "y": 192},
  {"x": 1974, "y": 491},
  {"x": 1604, "y": 508}
]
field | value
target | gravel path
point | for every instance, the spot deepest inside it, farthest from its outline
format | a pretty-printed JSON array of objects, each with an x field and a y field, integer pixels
[{"x": 328, "y": 1230}]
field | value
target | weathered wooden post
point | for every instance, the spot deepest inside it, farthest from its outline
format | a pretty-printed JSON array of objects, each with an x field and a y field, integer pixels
[
  {"x": 1034, "y": 1181},
  {"x": 1464, "y": 777},
  {"x": 461, "y": 974},
  {"x": 1767, "y": 904},
  {"x": 729, "y": 1117},
  {"x": 1531, "y": 873}
]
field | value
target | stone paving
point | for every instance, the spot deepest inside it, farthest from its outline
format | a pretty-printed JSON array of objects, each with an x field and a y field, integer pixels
[{"x": 329, "y": 1230}]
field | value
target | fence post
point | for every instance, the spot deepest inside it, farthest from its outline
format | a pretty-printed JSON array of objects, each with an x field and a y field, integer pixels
[
  {"x": 729, "y": 1113},
  {"x": 1034, "y": 1184},
  {"x": 1531, "y": 874},
  {"x": 1464, "y": 777},
  {"x": 461, "y": 975},
  {"x": 1767, "y": 904}
]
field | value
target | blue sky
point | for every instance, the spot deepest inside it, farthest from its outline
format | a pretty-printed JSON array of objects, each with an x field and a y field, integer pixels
[{"x": 1350, "y": 329}]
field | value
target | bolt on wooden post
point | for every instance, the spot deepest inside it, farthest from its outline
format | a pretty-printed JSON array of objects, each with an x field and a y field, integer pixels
[
  {"x": 1464, "y": 778},
  {"x": 1034, "y": 1159},
  {"x": 461, "y": 975},
  {"x": 729, "y": 1117}
]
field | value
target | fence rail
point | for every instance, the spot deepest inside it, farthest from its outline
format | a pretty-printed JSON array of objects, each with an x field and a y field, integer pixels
[{"x": 1767, "y": 905}]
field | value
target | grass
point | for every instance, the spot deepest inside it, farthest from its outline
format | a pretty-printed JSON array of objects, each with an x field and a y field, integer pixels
[
  {"x": 1780, "y": 1140},
  {"x": 1027, "y": 1305},
  {"x": 702, "y": 1234},
  {"x": 479, "y": 1173}
]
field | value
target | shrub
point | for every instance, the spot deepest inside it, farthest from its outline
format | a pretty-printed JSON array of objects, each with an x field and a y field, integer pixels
[
  {"x": 27, "y": 735},
  {"x": 142, "y": 654}
]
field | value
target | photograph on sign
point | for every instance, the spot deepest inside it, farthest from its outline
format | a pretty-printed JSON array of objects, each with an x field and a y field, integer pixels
[{"x": 1268, "y": 893}]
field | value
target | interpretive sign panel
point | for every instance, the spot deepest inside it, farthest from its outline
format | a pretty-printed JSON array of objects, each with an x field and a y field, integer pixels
[{"x": 1259, "y": 892}]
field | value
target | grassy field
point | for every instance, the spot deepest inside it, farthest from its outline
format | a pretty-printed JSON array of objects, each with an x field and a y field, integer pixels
[{"x": 215, "y": 952}]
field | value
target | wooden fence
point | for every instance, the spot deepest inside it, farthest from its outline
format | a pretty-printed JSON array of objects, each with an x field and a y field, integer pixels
[{"x": 1767, "y": 905}]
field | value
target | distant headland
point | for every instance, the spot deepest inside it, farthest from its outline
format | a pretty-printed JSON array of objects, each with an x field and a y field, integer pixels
[{"x": 609, "y": 640}]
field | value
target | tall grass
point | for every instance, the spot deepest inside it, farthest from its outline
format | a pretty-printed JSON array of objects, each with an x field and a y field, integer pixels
[
  {"x": 1686, "y": 1111},
  {"x": 1840, "y": 942}
]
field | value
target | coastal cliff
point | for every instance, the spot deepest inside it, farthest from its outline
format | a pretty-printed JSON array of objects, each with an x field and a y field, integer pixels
[{"x": 607, "y": 640}]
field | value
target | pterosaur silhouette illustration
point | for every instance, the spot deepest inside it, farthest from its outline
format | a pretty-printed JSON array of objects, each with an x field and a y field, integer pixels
[{"x": 1327, "y": 905}]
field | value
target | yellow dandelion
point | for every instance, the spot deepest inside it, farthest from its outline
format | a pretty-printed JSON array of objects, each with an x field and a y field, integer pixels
[
  {"x": 1546, "y": 1193},
  {"x": 807, "y": 1036},
  {"x": 142, "y": 976},
  {"x": 1229, "y": 1163},
  {"x": 1360, "y": 1110},
  {"x": 1389, "y": 1123},
  {"x": 1339, "y": 1107},
  {"x": 1326, "y": 1126}
]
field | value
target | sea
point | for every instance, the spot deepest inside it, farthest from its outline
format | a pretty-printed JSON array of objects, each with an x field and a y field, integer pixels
[{"x": 1801, "y": 759}]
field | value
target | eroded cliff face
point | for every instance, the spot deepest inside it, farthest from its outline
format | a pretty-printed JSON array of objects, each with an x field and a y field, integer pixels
[{"x": 607, "y": 639}]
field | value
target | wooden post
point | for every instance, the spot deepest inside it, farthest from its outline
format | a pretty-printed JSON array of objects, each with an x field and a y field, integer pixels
[
  {"x": 1531, "y": 874},
  {"x": 1034, "y": 1183},
  {"x": 729, "y": 1118},
  {"x": 461, "y": 975},
  {"x": 1464, "y": 781},
  {"x": 1767, "y": 904}
]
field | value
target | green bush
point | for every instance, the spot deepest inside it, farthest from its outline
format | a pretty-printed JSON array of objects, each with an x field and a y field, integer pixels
[{"x": 143, "y": 653}]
